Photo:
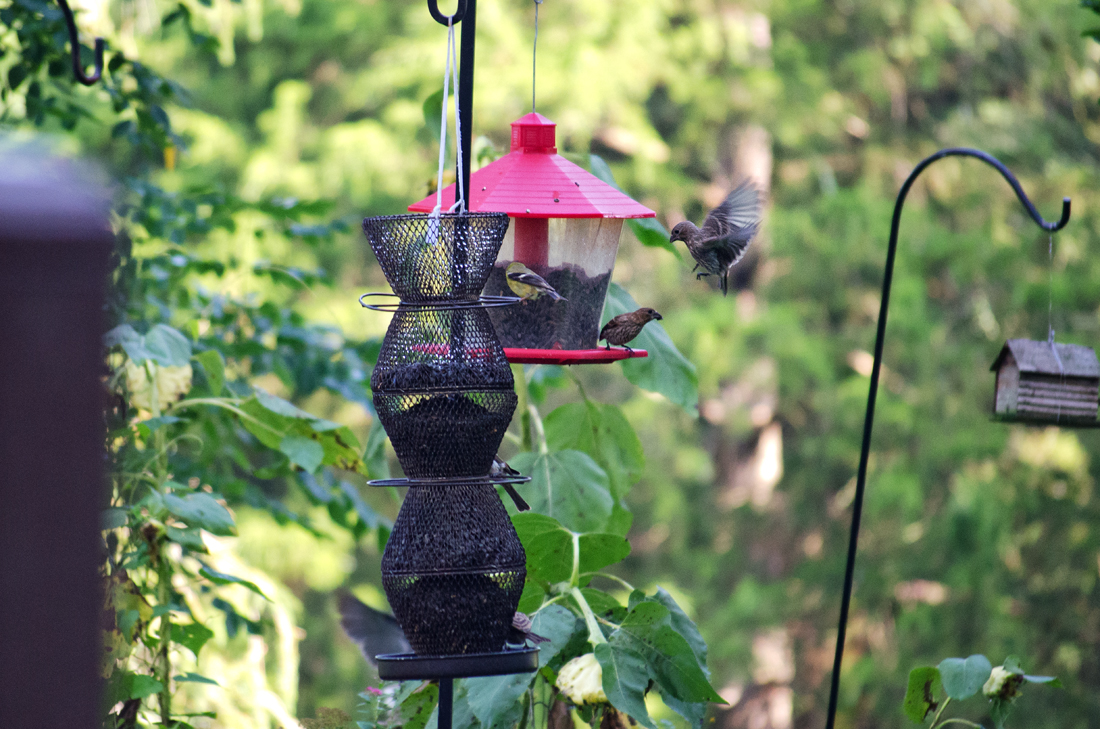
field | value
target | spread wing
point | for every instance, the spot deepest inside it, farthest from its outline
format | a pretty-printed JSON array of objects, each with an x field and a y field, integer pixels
[
  {"x": 373, "y": 631},
  {"x": 740, "y": 211}
]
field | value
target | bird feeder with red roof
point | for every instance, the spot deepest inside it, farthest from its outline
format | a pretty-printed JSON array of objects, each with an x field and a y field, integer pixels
[{"x": 564, "y": 225}]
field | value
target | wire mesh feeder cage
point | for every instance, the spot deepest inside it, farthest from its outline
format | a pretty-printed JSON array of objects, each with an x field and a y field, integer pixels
[
  {"x": 443, "y": 391},
  {"x": 436, "y": 257},
  {"x": 453, "y": 569},
  {"x": 442, "y": 386}
]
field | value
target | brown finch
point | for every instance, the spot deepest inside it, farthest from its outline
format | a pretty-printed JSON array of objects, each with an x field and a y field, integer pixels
[
  {"x": 500, "y": 469},
  {"x": 725, "y": 235},
  {"x": 624, "y": 327},
  {"x": 521, "y": 631}
]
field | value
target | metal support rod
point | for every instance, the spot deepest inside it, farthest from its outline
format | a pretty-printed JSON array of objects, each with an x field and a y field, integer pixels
[
  {"x": 74, "y": 41},
  {"x": 466, "y": 92},
  {"x": 861, "y": 479},
  {"x": 446, "y": 702}
]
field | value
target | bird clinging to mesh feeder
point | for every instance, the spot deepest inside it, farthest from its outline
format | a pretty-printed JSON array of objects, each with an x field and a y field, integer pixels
[
  {"x": 726, "y": 233},
  {"x": 624, "y": 327}
]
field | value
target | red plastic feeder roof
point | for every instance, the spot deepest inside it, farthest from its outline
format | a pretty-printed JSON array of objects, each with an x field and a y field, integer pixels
[
  {"x": 600, "y": 355},
  {"x": 534, "y": 181}
]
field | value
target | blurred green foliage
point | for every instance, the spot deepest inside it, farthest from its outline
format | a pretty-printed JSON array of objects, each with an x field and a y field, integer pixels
[{"x": 978, "y": 537}]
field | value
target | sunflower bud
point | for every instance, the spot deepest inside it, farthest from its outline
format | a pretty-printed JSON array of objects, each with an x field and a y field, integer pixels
[
  {"x": 1002, "y": 684},
  {"x": 172, "y": 384},
  {"x": 581, "y": 680}
]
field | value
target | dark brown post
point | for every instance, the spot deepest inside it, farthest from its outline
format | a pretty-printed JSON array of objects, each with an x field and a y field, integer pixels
[{"x": 54, "y": 249}]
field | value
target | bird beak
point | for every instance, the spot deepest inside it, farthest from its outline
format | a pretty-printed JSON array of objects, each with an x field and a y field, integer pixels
[{"x": 657, "y": 316}]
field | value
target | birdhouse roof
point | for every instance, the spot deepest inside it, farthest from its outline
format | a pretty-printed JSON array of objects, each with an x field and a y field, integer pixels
[
  {"x": 534, "y": 181},
  {"x": 1039, "y": 358}
]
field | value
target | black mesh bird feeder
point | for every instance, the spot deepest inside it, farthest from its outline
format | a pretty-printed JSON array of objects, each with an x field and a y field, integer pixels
[{"x": 453, "y": 568}]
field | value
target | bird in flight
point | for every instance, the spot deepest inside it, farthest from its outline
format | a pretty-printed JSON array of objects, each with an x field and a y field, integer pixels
[{"x": 725, "y": 235}]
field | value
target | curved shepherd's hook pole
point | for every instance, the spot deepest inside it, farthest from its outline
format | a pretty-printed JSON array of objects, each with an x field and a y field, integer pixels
[
  {"x": 861, "y": 479},
  {"x": 74, "y": 41}
]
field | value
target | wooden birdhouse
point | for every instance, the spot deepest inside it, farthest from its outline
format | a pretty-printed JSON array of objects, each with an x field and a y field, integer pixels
[
  {"x": 565, "y": 226},
  {"x": 1047, "y": 382}
]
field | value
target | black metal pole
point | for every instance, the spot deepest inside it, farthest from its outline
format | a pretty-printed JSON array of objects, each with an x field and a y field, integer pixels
[
  {"x": 466, "y": 93},
  {"x": 74, "y": 41},
  {"x": 446, "y": 702},
  {"x": 861, "y": 478}
]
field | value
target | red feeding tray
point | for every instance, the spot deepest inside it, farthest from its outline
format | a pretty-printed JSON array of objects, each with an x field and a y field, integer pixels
[{"x": 601, "y": 355}]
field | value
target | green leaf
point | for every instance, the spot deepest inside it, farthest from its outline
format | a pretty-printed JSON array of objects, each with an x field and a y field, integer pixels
[
  {"x": 495, "y": 700},
  {"x": 375, "y": 454},
  {"x": 603, "y": 432},
  {"x": 600, "y": 550},
  {"x": 273, "y": 419},
  {"x": 192, "y": 636},
  {"x": 302, "y": 451},
  {"x": 999, "y": 710},
  {"x": 167, "y": 347},
  {"x": 685, "y": 626},
  {"x": 113, "y": 518},
  {"x": 924, "y": 682},
  {"x": 625, "y": 680},
  {"x": 415, "y": 710},
  {"x": 138, "y": 686},
  {"x": 665, "y": 370},
  {"x": 962, "y": 678},
  {"x": 201, "y": 511},
  {"x": 162, "y": 344},
  {"x": 433, "y": 113},
  {"x": 189, "y": 537},
  {"x": 221, "y": 578},
  {"x": 190, "y": 677},
  {"x": 214, "y": 366},
  {"x": 647, "y": 230},
  {"x": 559, "y": 624},
  {"x": 549, "y": 547},
  {"x": 569, "y": 486},
  {"x": 647, "y": 630},
  {"x": 1052, "y": 680}
]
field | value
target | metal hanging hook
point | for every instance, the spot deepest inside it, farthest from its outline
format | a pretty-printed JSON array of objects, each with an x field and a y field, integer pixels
[
  {"x": 74, "y": 41},
  {"x": 433, "y": 8}
]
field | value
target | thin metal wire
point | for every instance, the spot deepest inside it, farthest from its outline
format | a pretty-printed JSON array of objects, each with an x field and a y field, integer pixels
[
  {"x": 534, "y": 52},
  {"x": 868, "y": 423}
]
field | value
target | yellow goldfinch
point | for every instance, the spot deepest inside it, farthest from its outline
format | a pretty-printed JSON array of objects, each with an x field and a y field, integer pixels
[{"x": 529, "y": 285}]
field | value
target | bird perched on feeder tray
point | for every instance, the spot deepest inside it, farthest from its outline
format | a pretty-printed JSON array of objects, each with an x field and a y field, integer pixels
[
  {"x": 624, "y": 327},
  {"x": 521, "y": 631},
  {"x": 500, "y": 469},
  {"x": 529, "y": 285},
  {"x": 725, "y": 235}
]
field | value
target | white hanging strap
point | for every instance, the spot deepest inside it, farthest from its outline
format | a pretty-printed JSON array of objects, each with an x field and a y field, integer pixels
[{"x": 451, "y": 72}]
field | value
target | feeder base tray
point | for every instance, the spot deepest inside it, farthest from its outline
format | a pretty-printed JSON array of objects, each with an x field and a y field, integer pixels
[
  {"x": 600, "y": 355},
  {"x": 412, "y": 667}
]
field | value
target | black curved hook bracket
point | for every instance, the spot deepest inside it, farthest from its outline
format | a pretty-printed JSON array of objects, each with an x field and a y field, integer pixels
[
  {"x": 876, "y": 368},
  {"x": 74, "y": 41},
  {"x": 433, "y": 8}
]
